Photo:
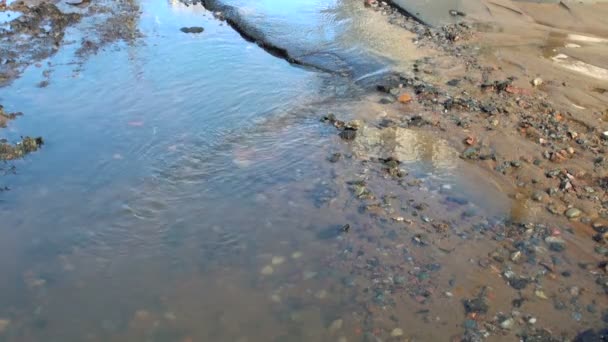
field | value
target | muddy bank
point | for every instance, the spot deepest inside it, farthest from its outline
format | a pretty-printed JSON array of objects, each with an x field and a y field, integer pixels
[{"x": 546, "y": 155}]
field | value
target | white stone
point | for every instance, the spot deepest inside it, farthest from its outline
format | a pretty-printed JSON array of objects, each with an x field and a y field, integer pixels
[
  {"x": 267, "y": 270},
  {"x": 397, "y": 332}
]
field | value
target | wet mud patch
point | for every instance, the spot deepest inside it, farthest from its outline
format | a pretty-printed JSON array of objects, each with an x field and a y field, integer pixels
[
  {"x": 35, "y": 31},
  {"x": 34, "y": 35}
]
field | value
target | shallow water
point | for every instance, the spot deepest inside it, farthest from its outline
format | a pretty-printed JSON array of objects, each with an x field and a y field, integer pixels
[{"x": 184, "y": 193}]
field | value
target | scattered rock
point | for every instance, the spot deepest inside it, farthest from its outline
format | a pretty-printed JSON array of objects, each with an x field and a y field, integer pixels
[
  {"x": 405, "y": 98},
  {"x": 540, "y": 294},
  {"x": 456, "y": 13},
  {"x": 507, "y": 324},
  {"x": 4, "y": 324},
  {"x": 348, "y": 134},
  {"x": 277, "y": 260},
  {"x": 192, "y": 29},
  {"x": 573, "y": 213},
  {"x": 538, "y": 196},
  {"x": 537, "y": 81},
  {"x": 397, "y": 332},
  {"x": 335, "y": 326},
  {"x": 296, "y": 255},
  {"x": 267, "y": 270}
]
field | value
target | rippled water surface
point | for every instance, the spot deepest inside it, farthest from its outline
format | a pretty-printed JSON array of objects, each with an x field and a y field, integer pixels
[{"x": 184, "y": 193}]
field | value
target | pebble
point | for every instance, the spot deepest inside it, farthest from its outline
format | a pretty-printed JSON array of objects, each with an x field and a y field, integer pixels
[
  {"x": 532, "y": 320},
  {"x": 538, "y": 196},
  {"x": 4, "y": 323},
  {"x": 573, "y": 213},
  {"x": 309, "y": 275},
  {"x": 335, "y": 326},
  {"x": 277, "y": 260},
  {"x": 605, "y": 135},
  {"x": 397, "y": 332},
  {"x": 296, "y": 255},
  {"x": 516, "y": 256},
  {"x": 507, "y": 323},
  {"x": 540, "y": 294},
  {"x": 267, "y": 270},
  {"x": 537, "y": 81}
]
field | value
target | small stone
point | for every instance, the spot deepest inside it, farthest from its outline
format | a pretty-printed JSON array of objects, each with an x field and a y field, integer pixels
[
  {"x": 555, "y": 243},
  {"x": 321, "y": 294},
  {"x": 573, "y": 213},
  {"x": 267, "y": 270},
  {"x": 335, "y": 326},
  {"x": 507, "y": 323},
  {"x": 537, "y": 81},
  {"x": 192, "y": 29},
  {"x": 540, "y": 294},
  {"x": 354, "y": 124},
  {"x": 399, "y": 280},
  {"x": 170, "y": 316},
  {"x": 397, "y": 332},
  {"x": 405, "y": 98},
  {"x": 516, "y": 256},
  {"x": 605, "y": 135},
  {"x": 277, "y": 260},
  {"x": 538, "y": 196},
  {"x": 142, "y": 315},
  {"x": 348, "y": 134},
  {"x": 296, "y": 255},
  {"x": 532, "y": 320},
  {"x": 309, "y": 275},
  {"x": 4, "y": 323}
]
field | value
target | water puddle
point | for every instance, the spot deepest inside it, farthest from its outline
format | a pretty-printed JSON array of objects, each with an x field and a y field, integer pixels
[{"x": 189, "y": 192}]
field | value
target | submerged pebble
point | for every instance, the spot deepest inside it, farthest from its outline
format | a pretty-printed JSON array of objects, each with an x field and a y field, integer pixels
[
  {"x": 397, "y": 332},
  {"x": 296, "y": 255},
  {"x": 267, "y": 270},
  {"x": 277, "y": 260}
]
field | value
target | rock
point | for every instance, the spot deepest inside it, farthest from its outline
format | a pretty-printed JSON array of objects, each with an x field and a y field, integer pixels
[
  {"x": 335, "y": 157},
  {"x": 537, "y": 81},
  {"x": 455, "y": 13},
  {"x": 267, "y": 270},
  {"x": 476, "y": 305},
  {"x": 516, "y": 256},
  {"x": 538, "y": 196},
  {"x": 605, "y": 135},
  {"x": 556, "y": 244},
  {"x": 399, "y": 280},
  {"x": 4, "y": 323},
  {"x": 470, "y": 153},
  {"x": 348, "y": 134},
  {"x": 192, "y": 29},
  {"x": 354, "y": 124},
  {"x": 405, "y": 98},
  {"x": 518, "y": 283},
  {"x": 277, "y": 260},
  {"x": 573, "y": 213},
  {"x": 335, "y": 326},
  {"x": 540, "y": 294},
  {"x": 296, "y": 255},
  {"x": 397, "y": 332},
  {"x": 507, "y": 324}
]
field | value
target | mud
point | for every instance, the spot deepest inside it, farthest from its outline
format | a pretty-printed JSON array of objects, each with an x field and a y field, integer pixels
[{"x": 36, "y": 30}]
